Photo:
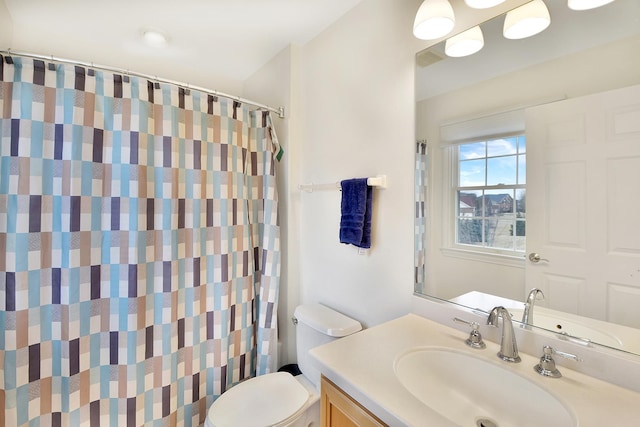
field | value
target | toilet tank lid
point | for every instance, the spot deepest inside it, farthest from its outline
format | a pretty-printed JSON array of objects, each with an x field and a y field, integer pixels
[{"x": 327, "y": 321}]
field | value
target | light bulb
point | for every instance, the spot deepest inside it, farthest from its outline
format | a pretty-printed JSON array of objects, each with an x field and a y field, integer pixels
[
  {"x": 527, "y": 20},
  {"x": 465, "y": 43},
  {"x": 587, "y": 4},
  {"x": 482, "y": 4},
  {"x": 434, "y": 19}
]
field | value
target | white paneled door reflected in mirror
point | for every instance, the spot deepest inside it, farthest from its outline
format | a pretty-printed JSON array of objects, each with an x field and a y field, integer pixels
[{"x": 534, "y": 149}]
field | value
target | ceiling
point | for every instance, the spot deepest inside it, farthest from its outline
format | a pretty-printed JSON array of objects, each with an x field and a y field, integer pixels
[{"x": 230, "y": 38}]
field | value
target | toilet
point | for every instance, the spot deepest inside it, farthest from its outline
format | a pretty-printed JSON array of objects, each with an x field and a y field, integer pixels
[{"x": 279, "y": 399}]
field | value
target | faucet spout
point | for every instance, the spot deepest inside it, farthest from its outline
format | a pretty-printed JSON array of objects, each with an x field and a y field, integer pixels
[
  {"x": 527, "y": 314},
  {"x": 508, "y": 347}
]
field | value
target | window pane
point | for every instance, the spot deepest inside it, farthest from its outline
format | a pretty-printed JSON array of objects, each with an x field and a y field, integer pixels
[
  {"x": 472, "y": 173},
  {"x": 468, "y": 204},
  {"x": 521, "y": 203},
  {"x": 498, "y": 202},
  {"x": 499, "y": 206},
  {"x": 502, "y": 147},
  {"x": 522, "y": 169},
  {"x": 470, "y": 231},
  {"x": 501, "y": 170},
  {"x": 476, "y": 150},
  {"x": 499, "y": 231},
  {"x": 520, "y": 236},
  {"x": 522, "y": 144}
]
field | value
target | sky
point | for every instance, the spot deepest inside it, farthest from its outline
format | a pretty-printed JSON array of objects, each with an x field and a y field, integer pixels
[{"x": 493, "y": 162}]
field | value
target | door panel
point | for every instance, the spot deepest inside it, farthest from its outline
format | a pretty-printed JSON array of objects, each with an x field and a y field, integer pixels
[
  {"x": 583, "y": 186},
  {"x": 619, "y": 172},
  {"x": 565, "y": 191}
]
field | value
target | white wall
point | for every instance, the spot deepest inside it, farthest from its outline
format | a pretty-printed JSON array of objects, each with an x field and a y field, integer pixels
[
  {"x": 357, "y": 110},
  {"x": 6, "y": 27},
  {"x": 350, "y": 113},
  {"x": 355, "y": 117},
  {"x": 449, "y": 276}
]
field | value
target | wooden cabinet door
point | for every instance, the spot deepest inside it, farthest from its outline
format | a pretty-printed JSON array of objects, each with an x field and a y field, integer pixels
[{"x": 340, "y": 410}]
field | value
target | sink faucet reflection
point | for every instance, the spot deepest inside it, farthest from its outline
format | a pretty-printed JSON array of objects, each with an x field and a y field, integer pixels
[
  {"x": 527, "y": 314},
  {"x": 508, "y": 347}
]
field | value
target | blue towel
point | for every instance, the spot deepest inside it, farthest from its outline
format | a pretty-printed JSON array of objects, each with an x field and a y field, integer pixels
[{"x": 356, "y": 207}]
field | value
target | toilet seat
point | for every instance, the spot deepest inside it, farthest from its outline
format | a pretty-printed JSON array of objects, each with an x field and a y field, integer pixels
[{"x": 262, "y": 401}]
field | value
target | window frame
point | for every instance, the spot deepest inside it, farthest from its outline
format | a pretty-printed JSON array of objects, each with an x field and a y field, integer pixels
[{"x": 451, "y": 246}]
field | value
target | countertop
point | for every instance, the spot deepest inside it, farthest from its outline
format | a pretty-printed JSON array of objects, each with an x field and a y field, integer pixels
[{"x": 363, "y": 366}]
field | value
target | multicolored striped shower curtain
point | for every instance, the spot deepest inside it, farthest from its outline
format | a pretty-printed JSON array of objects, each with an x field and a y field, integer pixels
[
  {"x": 139, "y": 247},
  {"x": 420, "y": 220}
]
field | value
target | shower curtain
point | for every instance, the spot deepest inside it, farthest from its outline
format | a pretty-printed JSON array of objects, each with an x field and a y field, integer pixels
[
  {"x": 420, "y": 217},
  {"x": 139, "y": 247}
]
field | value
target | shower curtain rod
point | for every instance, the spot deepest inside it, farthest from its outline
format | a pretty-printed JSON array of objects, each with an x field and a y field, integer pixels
[{"x": 278, "y": 110}]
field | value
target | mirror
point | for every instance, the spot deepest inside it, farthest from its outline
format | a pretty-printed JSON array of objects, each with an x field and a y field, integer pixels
[{"x": 513, "y": 76}]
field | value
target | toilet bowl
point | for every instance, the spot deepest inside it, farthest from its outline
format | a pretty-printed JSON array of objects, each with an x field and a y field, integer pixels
[{"x": 279, "y": 399}]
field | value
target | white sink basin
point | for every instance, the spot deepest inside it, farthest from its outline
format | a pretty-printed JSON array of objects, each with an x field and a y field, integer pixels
[{"x": 471, "y": 391}]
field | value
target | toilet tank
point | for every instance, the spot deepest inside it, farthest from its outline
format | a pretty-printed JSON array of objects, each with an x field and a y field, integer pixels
[{"x": 317, "y": 325}]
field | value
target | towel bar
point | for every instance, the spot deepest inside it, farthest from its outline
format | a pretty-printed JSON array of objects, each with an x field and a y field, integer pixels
[{"x": 379, "y": 181}]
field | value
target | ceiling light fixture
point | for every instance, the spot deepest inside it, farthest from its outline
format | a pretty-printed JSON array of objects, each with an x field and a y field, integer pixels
[
  {"x": 483, "y": 4},
  {"x": 155, "y": 38},
  {"x": 465, "y": 44},
  {"x": 434, "y": 19},
  {"x": 527, "y": 20},
  {"x": 586, "y": 4}
]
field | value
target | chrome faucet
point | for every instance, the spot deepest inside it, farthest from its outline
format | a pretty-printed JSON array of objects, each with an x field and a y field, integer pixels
[
  {"x": 527, "y": 314},
  {"x": 508, "y": 347},
  {"x": 547, "y": 366}
]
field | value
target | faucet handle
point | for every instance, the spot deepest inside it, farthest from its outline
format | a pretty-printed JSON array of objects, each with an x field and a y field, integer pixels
[
  {"x": 475, "y": 338},
  {"x": 547, "y": 366},
  {"x": 563, "y": 354}
]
